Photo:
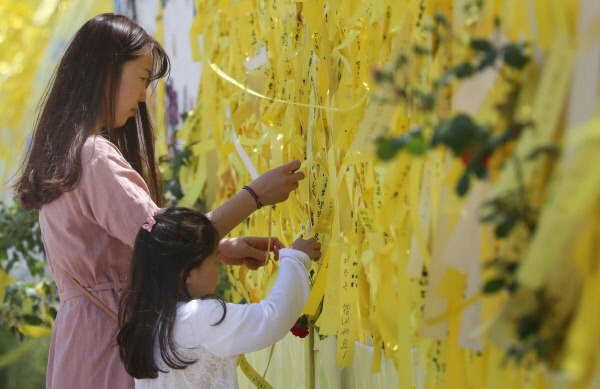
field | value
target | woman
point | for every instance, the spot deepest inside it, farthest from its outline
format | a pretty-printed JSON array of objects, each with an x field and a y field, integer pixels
[{"x": 86, "y": 170}]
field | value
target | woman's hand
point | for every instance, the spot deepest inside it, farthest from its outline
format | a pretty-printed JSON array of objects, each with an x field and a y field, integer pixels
[
  {"x": 250, "y": 250},
  {"x": 272, "y": 187},
  {"x": 275, "y": 185}
]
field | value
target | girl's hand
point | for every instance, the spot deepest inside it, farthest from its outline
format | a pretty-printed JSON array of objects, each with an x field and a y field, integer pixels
[
  {"x": 311, "y": 247},
  {"x": 275, "y": 185},
  {"x": 250, "y": 250}
]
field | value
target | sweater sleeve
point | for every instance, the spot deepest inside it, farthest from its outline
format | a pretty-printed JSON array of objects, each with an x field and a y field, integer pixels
[
  {"x": 248, "y": 328},
  {"x": 111, "y": 192}
]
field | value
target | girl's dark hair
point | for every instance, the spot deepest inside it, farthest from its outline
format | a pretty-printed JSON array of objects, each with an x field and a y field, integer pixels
[
  {"x": 82, "y": 92},
  {"x": 162, "y": 260}
]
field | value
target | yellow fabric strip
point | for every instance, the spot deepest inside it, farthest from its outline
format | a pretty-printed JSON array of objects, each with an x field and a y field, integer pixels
[
  {"x": 329, "y": 318},
  {"x": 252, "y": 374},
  {"x": 346, "y": 329},
  {"x": 230, "y": 79},
  {"x": 453, "y": 310},
  {"x": 318, "y": 290}
]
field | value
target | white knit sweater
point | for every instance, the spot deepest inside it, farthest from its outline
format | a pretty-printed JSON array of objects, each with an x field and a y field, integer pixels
[{"x": 246, "y": 328}]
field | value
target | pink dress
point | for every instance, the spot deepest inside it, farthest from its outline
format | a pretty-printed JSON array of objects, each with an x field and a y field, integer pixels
[{"x": 89, "y": 232}]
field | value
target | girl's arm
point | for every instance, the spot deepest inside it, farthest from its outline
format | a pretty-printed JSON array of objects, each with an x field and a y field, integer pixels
[
  {"x": 248, "y": 328},
  {"x": 271, "y": 187}
]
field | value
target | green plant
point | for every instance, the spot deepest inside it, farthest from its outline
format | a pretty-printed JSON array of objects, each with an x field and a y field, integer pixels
[
  {"x": 26, "y": 309},
  {"x": 20, "y": 239}
]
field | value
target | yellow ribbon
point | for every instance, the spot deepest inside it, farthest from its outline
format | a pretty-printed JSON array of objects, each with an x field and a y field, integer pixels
[
  {"x": 227, "y": 77},
  {"x": 265, "y": 277},
  {"x": 252, "y": 374},
  {"x": 454, "y": 310},
  {"x": 247, "y": 369}
]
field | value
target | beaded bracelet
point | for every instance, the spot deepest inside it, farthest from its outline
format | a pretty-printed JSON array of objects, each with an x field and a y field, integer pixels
[{"x": 256, "y": 198}]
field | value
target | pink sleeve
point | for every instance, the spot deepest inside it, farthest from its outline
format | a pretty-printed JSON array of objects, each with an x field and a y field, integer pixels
[{"x": 112, "y": 193}]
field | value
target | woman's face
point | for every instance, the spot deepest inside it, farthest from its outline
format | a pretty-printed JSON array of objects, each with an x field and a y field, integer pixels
[
  {"x": 203, "y": 279},
  {"x": 132, "y": 89}
]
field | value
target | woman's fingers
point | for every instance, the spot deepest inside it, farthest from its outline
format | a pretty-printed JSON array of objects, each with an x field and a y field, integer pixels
[
  {"x": 276, "y": 244},
  {"x": 252, "y": 263},
  {"x": 275, "y": 185},
  {"x": 291, "y": 166}
]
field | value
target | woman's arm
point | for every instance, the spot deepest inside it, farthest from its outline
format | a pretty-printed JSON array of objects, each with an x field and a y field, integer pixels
[
  {"x": 271, "y": 187},
  {"x": 233, "y": 212}
]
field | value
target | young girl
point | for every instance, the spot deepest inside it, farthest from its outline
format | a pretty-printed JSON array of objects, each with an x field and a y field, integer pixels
[
  {"x": 88, "y": 169},
  {"x": 175, "y": 333}
]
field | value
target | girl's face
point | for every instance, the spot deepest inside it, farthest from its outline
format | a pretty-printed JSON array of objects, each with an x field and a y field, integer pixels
[
  {"x": 203, "y": 279},
  {"x": 132, "y": 90}
]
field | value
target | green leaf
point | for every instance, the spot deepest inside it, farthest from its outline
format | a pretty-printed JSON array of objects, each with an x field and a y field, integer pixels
[
  {"x": 528, "y": 325},
  {"x": 540, "y": 345},
  {"x": 427, "y": 101},
  {"x": 387, "y": 148},
  {"x": 511, "y": 267},
  {"x": 457, "y": 133},
  {"x": 441, "y": 19},
  {"x": 479, "y": 168},
  {"x": 421, "y": 50},
  {"x": 488, "y": 215},
  {"x": 481, "y": 45},
  {"x": 463, "y": 185},
  {"x": 32, "y": 320},
  {"x": 493, "y": 285},
  {"x": 446, "y": 79},
  {"x": 417, "y": 146},
  {"x": 463, "y": 70},
  {"x": 497, "y": 141},
  {"x": 514, "y": 56},
  {"x": 551, "y": 150},
  {"x": 504, "y": 228},
  {"x": 488, "y": 59},
  {"x": 182, "y": 158},
  {"x": 31, "y": 293},
  {"x": 439, "y": 133}
]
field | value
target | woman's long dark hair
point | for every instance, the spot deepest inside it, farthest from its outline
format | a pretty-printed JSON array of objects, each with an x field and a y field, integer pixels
[
  {"x": 82, "y": 94},
  {"x": 162, "y": 260}
]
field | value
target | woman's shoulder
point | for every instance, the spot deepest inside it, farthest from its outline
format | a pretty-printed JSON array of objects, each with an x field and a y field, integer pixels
[{"x": 96, "y": 147}]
